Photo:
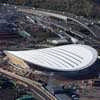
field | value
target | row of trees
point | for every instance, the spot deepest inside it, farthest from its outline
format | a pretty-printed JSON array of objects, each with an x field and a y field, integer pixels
[{"x": 79, "y": 7}]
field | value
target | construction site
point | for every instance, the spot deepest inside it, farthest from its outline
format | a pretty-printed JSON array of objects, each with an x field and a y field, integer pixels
[{"x": 26, "y": 28}]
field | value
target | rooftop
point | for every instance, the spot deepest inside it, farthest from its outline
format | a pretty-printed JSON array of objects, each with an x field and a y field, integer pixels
[{"x": 62, "y": 58}]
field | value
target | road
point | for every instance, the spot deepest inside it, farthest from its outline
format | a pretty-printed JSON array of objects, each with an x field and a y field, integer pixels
[
  {"x": 63, "y": 17},
  {"x": 37, "y": 88}
]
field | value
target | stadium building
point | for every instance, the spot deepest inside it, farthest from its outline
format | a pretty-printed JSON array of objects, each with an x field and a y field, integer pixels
[{"x": 68, "y": 60}]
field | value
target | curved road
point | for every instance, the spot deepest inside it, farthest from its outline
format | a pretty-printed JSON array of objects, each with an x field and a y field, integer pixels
[
  {"x": 37, "y": 88},
  {"x": 38, "y": 12}
]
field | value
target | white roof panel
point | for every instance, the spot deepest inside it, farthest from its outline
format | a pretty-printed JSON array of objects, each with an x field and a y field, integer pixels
[{"x": 62, "y": 58}]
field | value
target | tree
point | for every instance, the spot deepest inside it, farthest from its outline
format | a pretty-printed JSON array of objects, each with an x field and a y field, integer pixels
[{"x": 81, "y": 7}]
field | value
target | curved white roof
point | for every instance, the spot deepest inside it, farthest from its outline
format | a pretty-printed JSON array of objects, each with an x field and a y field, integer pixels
[{"x": 62, "y": 58}]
